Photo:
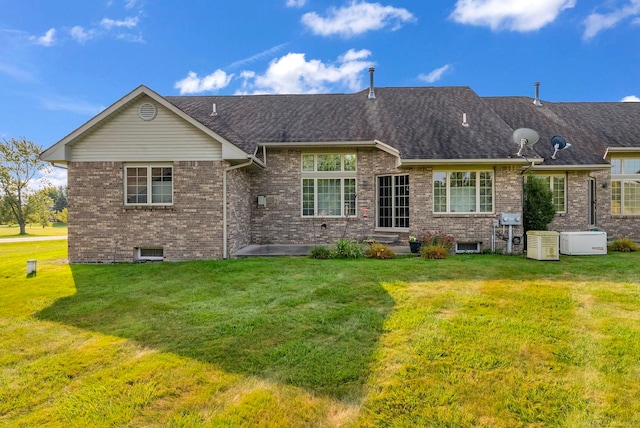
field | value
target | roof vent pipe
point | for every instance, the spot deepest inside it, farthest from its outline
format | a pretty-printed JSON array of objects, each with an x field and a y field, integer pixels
[
  {"x": 536, "y": 101},
  {"x": 372, "y": 93}
]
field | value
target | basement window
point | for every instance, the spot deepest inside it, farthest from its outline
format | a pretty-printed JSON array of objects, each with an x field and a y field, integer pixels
[
  {"x": 149, "y": 254},
  {"x": 467, "y": 247}
]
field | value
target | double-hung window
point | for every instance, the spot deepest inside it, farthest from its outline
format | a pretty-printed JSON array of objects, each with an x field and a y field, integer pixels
[
  {"x": 393, "y": 201},
  {"x": 463, "y": 192},
  {"x": 558, "y": 185},
  {"x": 148, "y": 185},
  {"x": 329, "y": 185},
  {"x": 625, "y": 186}
]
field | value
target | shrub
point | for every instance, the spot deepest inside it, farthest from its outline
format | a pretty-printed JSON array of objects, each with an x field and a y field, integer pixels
[
  {"x": 379, "y": 251},
  {"x": 433, "y": 252},
  {"x": 321, "y": 252},
  {"x": 538, "y": 204},
  {"x": 438, "y": 239},
  {"x": 624, "y": 245},
  {"x": 348, "y": 249}
]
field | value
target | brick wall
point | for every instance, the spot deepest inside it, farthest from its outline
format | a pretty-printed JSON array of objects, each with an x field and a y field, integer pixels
[{"x": 102, "y": 230}]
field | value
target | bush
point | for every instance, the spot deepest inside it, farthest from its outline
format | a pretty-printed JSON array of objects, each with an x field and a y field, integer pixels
[
  {"x": 379, "y": 251},
  {"x": 321, "y": 252},
  {"x": 438, "y": 239},
  {"x": 538, "y": 204},
  {"x": 348, "y": 249},
  {"x": 433, "y": 252},
  {"x": 624, "y": 245}
]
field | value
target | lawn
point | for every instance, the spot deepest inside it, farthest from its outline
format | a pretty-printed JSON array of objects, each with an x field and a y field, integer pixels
[
  {"x": 495, "y": 341},
  {"x": 56, "y": 229}
]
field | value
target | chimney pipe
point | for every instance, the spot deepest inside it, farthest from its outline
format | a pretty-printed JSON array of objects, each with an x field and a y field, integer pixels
[
  {"x": 536, "y": 101},
  {"x": 372, "y": 93}
]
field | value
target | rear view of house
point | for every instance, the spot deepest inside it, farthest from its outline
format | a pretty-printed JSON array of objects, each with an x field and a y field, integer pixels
[{"x": 199, "y": 177}]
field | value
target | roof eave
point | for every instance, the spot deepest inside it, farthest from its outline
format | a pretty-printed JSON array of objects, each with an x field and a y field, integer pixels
[{"x": 496, "y": 161}]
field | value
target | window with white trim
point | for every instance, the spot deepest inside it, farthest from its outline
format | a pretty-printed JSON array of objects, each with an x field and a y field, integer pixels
[
  {"x": 463, "y": 192},
  {"x": 625, "y": 186},
  {"x": 328, "y": 184},
  {"x": 148, "y": 185},
  {"x": 558, "y": 185},
  {"x": 393, "y": 201}
]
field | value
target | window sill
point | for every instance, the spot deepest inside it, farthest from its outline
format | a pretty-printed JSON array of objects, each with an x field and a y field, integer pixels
[
  {"x": 148, "y": 207},
  {"x": 462, "y": 215}
]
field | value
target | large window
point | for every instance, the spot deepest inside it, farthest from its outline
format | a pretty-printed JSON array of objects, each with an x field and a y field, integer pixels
[
  {"x": 148, "y": 185},
  {"x": 558, "y": 185},
  {"x": 393, "y": 201},
  {"x": 328, "y": 185},
  {"x": 463, "y": 191},
  {"x": 625, "y": 186}
]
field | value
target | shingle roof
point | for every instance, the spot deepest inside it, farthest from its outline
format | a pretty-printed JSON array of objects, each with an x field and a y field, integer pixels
[{"x": 421, "y": 122}]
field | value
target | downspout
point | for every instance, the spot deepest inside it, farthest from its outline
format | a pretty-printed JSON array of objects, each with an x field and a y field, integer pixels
[{"x": 224, "y": 204}]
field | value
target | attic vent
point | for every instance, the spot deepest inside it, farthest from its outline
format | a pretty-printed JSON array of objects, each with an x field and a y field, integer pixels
[{"x": 147, "y": 111}]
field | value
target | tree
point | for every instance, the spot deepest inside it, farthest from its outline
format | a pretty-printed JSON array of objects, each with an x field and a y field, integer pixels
[
  {"x": 59, "y": 196},
  {"x": 538, "y": 204},
  {"x": 39, "y": 208},
  {"x": 19, "y": 164}
]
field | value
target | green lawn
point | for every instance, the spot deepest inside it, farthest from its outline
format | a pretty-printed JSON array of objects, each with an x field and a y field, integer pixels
[
  {"x": 56, "y": 229},
  {"x": 493, "y": 341}
]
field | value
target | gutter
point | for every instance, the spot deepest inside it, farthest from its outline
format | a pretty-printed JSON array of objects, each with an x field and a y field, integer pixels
[
  {"x": 437, "y": 162},
  {"x": 225, "y": 243}
]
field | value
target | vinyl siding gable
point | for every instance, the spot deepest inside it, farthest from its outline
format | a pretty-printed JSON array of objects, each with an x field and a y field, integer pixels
[{"x": 126, "y": 137}]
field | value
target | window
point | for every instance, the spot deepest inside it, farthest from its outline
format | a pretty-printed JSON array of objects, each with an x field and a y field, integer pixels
[
  {"x": 557, "y": 184},
  {"x": 328, "y": 185},
  {"x": 393, "y": 201},
  {"x": 148, "y": 185},
  {"x": 463, "y": 191},
  {"x": 149, "y": 254},
  {"x": 625, "y": 186}
]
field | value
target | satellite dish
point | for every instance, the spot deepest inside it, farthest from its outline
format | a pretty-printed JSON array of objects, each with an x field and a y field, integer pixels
[
  {"x": 525, "y": 137},
  {"x": 558, "y": 143}
]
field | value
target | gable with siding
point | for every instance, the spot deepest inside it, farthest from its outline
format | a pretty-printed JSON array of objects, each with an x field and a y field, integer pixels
[{"x": 125, "y": 136}]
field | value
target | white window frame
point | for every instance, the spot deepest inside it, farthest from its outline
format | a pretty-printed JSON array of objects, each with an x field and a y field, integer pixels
[
  {"x": 149, "y": 184},
  {"x": 620, "y": 177},
  {"x": 394, "y": 207},
  {"x": 478, "y": 202},
  {"x": 552, "y": 178},
  {"x": 344, "y": 176}
]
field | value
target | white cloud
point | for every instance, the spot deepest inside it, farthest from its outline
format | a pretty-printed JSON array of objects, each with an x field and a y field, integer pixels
[
  {"x": 48, "y": 39},
  {"x": 514, "y": 15},
  {"x": 597, "y": 22},
  {"x": 129, "y": 22},
  {"x": 192, "y": 84},
  {"x": 293, "y": 74},
  {"x": 296, "y": 3},
  {"x": 16, "y": 72},
  {"x": 435, "y": 75},
  {"x": 80, "y": 34},
  {"x": 54, "y": 177},
  {"x": 630, "y": 99},
  {"x": 357, "y": 18}
]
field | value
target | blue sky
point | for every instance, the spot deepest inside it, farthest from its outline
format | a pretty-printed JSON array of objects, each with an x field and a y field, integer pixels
[{"x": 63, "y": 62}]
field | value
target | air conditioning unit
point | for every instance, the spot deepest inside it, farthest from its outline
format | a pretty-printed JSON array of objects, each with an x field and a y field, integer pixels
[
  {"x": 542, "y": 245},
  {"x": 583, "y": 243}
]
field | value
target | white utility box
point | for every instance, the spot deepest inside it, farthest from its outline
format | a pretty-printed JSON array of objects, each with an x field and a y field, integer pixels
[
  {"x": 542, "y": 245},
  {"x": 583, "y": 243}
]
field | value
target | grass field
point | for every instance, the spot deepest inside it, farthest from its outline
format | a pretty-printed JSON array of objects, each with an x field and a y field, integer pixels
[
  {"x": 56, "y": 229},
  {"x": 494, "y": 341}
]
